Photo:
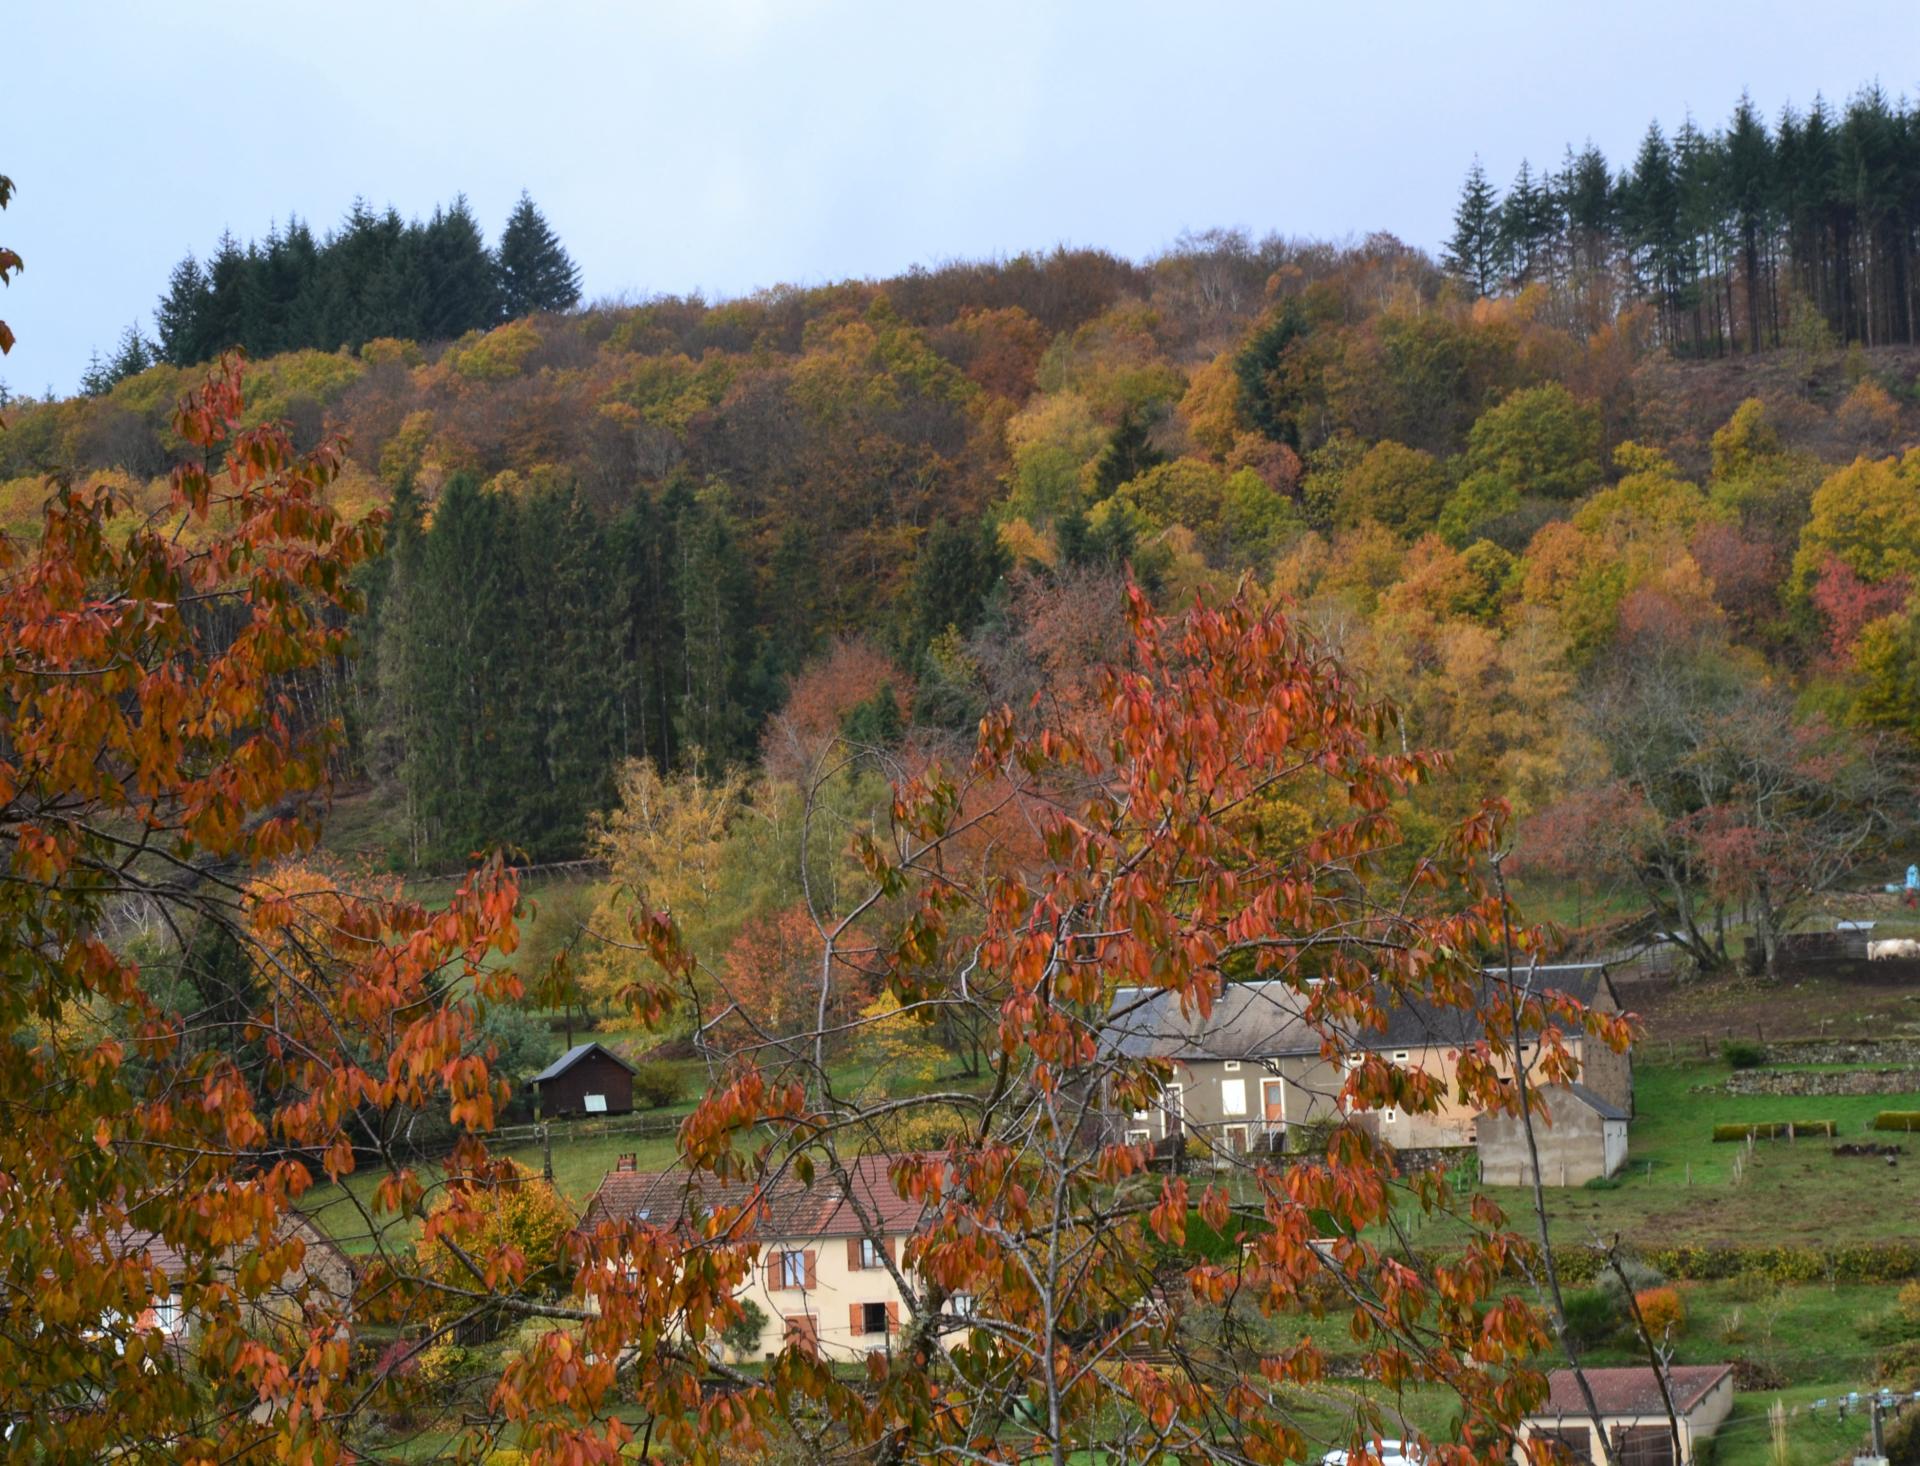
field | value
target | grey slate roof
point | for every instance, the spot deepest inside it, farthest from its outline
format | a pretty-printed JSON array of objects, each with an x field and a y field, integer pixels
[
  {"x": 573, "y": 1056},
  {"x": 1261, "y": 1020}
]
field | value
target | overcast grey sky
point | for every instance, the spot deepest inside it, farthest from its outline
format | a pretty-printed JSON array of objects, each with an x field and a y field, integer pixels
[{"x": 732, "y": 144}]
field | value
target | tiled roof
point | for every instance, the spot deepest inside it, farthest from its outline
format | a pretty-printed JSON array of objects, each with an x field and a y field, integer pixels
[
  {"x": 1262, "y": 1020},
  {"x": 573, "y": 1056},
  {"x": 1633, "y": 1391},
  {"x": 781, "y": 1208}
]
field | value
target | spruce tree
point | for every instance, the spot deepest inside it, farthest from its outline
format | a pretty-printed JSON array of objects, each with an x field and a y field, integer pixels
[
  {"x": 182, "y": 315},
  {"x": 462, "y": 291},
  {"x": 536, "y": 273},
  {"x": 134, "y": 354},
  {"x": 715, "y": 587},
  {"x": 1473, "y": 252},
  {"x": 1128, "y": 454},
  {"x": 97, "y": 379},
  {"x": 957, "y": 569},
  {"x": 1264, "y": 404}
]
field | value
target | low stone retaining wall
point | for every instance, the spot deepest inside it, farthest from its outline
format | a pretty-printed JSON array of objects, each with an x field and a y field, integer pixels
[
  {"x": 1887, "y": 1053},
  {"x": 1823, "y": 1081}
]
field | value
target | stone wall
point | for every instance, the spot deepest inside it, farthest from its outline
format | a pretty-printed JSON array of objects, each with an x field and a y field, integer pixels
[
  {"x": 1878, "y": 1052},
  {"x": 1823, "y": 1081}
]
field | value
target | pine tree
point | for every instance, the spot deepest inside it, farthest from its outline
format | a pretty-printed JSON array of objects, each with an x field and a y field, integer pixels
[
  {"x": 134, "y": 354},
  {"x": 462, "y": 289},
  {"x": 1128, "y": 454},
  {"x": 97, "y": 379},
  {"x": 715, "y": 588},
  {"x": 536, "y": 273},
  {"x": 1473, "y": 252},
  {"x": 957, "y": 569},
  {"x": 1263, "y": 402},
  {"x": 182, "y": 315}
]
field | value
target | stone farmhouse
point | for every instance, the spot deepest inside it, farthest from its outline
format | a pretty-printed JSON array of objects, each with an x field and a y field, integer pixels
[
  {"x": 823, "y": 1277},
  {"x": 1255, "y": 1068}
]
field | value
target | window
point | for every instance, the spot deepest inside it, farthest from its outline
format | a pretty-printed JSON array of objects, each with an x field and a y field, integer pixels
[
  {"x": 873, "y": 1318},
  {"x": 1232, "y": 1066},
  {"x": 1354, "y": 1061},
  {"x": 596, "y": 1104},
  {"x": 1400, "y": 1056},
  {"x": 1139, "y": 1137},
  {"x": 961, "y": 1305},
  {"x": 1233, "y": 1096},
  {"x": 1389, "y": 1114},
  {"x": 166, "y": 1313},
  {"x": 792, "y": 1271},
  {"x": 870, "y": 1253}
]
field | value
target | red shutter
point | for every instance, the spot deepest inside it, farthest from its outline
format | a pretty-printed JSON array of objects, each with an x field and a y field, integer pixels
[
  {"x": 855, "y": 1320},
  {"x": 853, "y": 1254},
  {"x": 809, "y": 1262},
  {"x": 893, "y": 1318}
]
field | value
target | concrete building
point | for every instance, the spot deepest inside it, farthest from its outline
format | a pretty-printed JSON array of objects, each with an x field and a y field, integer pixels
[
  {"x": 1633, "y": 1413},
  {"x": 1255, "y": 1067},
  {"x": 823, "y": 1276},
  {"x": 1579, "y": 1135}
]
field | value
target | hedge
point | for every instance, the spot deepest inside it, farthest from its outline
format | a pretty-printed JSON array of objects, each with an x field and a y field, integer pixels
[
  {"x": 1864, "y": 1262},
  {"x": 1897, "y": 1120},
  {"x": 1773, "y": 1129}
]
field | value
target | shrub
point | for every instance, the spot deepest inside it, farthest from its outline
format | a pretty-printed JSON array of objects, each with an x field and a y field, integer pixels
[
  {"x": 1774, "y": 1129},
  {"x": 1907, "y": 1303},
  {"x": 1899, "y": 1366},
  {"x": 656, "y": 1084},
  {"x": 1897, "y": 1120},
  {"x": 1602, "y": 1183},
  {"x": 1591, "y": 1317},
  {"x": 743, "y": 1334},
  {"x": 1743, "y": 1053},
  {"x": 1640, "y": 1277},
  {"x": 1662, "y": 1311}
]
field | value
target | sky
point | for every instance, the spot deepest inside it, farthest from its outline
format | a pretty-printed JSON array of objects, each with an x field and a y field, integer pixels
[{"x": 728, "y": 145}]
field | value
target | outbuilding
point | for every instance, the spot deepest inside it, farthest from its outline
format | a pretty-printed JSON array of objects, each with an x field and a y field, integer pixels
[
  {"x": 1580, "y": 1136},
  {"x": 586, "y": 1080},
  {"x": 1633, "y": 1412}
]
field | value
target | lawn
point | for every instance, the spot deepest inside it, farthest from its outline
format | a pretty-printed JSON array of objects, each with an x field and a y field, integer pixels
[
  {"x": 1679, "y": 1186},
  {"x": 578, "y": 1165}
]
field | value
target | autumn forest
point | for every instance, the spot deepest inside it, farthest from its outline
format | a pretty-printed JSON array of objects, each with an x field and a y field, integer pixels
[{"x": 902, "y": 667}]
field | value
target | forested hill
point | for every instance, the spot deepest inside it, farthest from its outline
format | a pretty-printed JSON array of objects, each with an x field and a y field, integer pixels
[{"x": 884, "y": 505}]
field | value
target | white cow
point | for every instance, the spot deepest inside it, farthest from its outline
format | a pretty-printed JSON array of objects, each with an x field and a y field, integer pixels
[{"x": 1892, "y": 947}]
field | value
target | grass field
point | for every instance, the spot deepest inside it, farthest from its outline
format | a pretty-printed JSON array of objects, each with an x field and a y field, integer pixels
[{"x": 1679, "y": 1185}]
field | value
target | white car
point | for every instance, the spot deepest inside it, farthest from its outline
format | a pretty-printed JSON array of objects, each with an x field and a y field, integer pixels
[{"x": 1390, "y": 1453}]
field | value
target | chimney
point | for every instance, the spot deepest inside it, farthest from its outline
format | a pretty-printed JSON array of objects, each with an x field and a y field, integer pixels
[{"x": 626, "y": 1163}]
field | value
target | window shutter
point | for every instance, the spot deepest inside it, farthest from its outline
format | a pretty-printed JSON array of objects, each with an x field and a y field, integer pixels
[
  {"x": 855, "y": 1321},
  {"x": 893, "y": 1318},
  {"x": 853, "y": 1254},
  {"x": 809, "y": 1261}
]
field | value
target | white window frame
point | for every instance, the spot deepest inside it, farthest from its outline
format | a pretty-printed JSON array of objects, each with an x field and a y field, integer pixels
[
  {"x": 1233, "y": 1097},
  {"x": 1139, "y": 1137},
  {"x": 1389, "y": 1115},
  {"x": 1232, "y": 1066},
  {"x": 1400, "y": 1056}
]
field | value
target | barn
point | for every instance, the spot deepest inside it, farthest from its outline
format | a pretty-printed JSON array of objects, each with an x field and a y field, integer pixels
[
  {"x": 586, "y": 1080},
  {"x": 1581, "y": 1135}
]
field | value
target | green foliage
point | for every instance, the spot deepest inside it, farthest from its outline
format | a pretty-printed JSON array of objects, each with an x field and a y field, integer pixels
[
  {"x": 1742, "y": 1053},
  {"x": 1266, "y": 404},
  {"x": 1128, "y": 454},
  {"x": 1863, "y": 1262},
  {"x": 522, "y": 1041},
  {"x": 876, "y": 722},
  {"x": 1592, "y": 1317},
  {"x": 1401, "y": 487},
  {"x": 957, "y": 569},
  {"x": 535, "y": 271},
  {"x": 742, "y": 1336},
  {"x": 658, "y": 1083},
  {"x": 1539, "y": 440}
]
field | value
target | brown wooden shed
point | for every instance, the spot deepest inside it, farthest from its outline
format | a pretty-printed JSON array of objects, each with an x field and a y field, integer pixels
[{"x": 585, "y": 1080}]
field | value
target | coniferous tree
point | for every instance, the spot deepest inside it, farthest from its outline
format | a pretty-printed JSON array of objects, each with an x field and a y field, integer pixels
[
  {"x": 958, "y": 568},
  {"x": 646, "y": 630},
  {"x": 715, "y": 714},
  {"x": 461, "y": 288},
  {"x": 97, "y": 379},
  {"x": 133, "y": 355},
  {"x": 1263, "y": 401},
  {"x": 182, "y": 315},
  {"x": 536, "y": 273},
  {"x": 1128, "y": 454},
  {"x": 1473, "y": 251}
]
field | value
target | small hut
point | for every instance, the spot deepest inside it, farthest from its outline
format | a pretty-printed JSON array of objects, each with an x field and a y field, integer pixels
[{"x": 586, "y": 1080}]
